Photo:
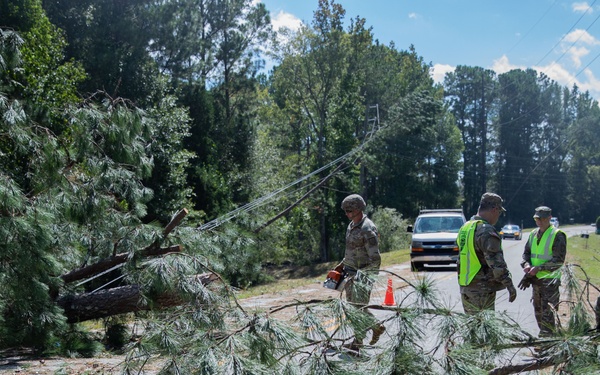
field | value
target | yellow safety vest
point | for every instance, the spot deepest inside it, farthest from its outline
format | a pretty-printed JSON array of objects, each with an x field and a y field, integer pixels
[
  {"x": 469, "y": 263},
  {"x": 542, "y": 252}
]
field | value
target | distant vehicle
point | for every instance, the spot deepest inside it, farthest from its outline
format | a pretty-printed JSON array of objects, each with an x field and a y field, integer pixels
[
  {"x": 511, "y": 231},
  {"x": 554, "y": 222},
  {"x": 434, "y": 237}
]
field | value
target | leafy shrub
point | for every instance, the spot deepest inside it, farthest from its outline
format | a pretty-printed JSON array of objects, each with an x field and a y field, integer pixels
[{"x": 391, "y": 227}]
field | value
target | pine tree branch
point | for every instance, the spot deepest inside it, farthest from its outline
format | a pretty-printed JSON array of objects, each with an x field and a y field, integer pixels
[
  {"x": 108, "y": 263},
  {"x": 520, "y": 367}
]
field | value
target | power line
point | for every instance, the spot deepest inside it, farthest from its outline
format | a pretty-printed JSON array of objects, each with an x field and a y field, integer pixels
[
  {"x": 532, "y": 27},
  {"x": 266, "y": 198}
]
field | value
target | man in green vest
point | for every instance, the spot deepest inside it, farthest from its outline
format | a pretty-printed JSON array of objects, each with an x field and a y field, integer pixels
[
  {"x": 544, "y": 255},
  {"x": 482, "y": 270}
]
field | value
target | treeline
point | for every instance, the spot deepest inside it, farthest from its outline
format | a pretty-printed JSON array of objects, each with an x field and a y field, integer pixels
[{"x": 117, "y": 114}]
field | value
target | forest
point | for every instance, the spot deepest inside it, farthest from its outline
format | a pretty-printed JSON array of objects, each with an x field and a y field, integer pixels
[{"x": 145, "y": 145}]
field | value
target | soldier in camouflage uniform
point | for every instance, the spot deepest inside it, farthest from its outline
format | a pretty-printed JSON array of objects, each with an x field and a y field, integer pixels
[
  {"x": 544, "y": 255},
  {"x": 482, "y": 270},
  {"x": 361, "y": 261}
]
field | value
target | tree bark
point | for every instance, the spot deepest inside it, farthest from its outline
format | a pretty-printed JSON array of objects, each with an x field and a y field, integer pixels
[{"x": 115, "y": 301}]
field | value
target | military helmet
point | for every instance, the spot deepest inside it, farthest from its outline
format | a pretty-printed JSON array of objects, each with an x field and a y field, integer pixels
[{"x": 353, "y": 202}]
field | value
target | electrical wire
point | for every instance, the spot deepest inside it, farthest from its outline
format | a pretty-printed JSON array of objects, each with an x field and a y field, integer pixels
[{"x": 269, "y": 197}]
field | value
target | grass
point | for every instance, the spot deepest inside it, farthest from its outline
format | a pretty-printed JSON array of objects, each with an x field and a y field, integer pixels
[
  {"x": 285, "y": 278},
  {"x": 583, "y": 251}
]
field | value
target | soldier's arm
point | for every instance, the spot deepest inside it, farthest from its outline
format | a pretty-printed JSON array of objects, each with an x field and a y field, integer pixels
[
  {"x": 372, "y": 245},
  {"x": 494, "y": 257}
]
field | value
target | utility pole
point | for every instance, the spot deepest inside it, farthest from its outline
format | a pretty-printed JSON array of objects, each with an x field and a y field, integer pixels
[{"x": 371, "y": 125}]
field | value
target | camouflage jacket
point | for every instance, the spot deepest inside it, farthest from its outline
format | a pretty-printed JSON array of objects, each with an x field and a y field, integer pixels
[
  {"x": 362, "y": 245},
  {"x": 494, "y": 274}
]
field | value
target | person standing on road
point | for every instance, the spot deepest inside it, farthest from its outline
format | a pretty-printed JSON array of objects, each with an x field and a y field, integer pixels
[
  {"x": 360, "y": 258},
  {"x": 543, "y": 257},
  {"x": 482, "y": 270}
]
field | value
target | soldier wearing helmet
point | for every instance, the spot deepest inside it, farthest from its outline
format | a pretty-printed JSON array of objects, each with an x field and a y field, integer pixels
[{"x": 361, "y": 261}]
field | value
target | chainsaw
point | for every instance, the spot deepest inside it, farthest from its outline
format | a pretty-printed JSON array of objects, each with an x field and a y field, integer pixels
[{"x": 335, "y": 280}]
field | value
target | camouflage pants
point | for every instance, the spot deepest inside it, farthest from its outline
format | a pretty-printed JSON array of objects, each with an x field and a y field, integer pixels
[
  {"x": 545, "y": 296},
  {"x": 474, "y": 301},
  {"x": 358, "y": 292}
]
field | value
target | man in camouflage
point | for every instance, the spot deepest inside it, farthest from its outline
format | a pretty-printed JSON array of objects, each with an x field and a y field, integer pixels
[
  {"x": 482, "y": 270},
  {"x": 361, "y": 262},
  {"x": 543, "y": 257}
]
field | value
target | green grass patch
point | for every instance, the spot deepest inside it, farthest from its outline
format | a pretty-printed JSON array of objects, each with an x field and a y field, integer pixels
[
  {"x": 288, "y": 277},
  {"x": 585, "y": 252}
]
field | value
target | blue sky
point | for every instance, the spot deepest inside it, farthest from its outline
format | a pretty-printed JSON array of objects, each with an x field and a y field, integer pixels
[{"x": 559, "y": 38}]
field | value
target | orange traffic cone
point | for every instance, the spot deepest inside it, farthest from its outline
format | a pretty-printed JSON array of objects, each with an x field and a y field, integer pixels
[{"x": 389, "y": 295}]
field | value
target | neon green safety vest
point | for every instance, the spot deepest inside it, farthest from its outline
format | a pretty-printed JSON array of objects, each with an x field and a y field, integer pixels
[
  {"x": 469, "y": 263},
  {"x": 542, "y": 252}
]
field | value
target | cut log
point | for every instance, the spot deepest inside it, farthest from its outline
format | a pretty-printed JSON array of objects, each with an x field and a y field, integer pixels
[{"x": 115, "y": 301}]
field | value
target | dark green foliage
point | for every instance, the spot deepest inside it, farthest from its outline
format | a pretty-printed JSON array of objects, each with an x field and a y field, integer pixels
[
  {"x": 116, "y": 335},
  {"x": 76, "y": 343}
]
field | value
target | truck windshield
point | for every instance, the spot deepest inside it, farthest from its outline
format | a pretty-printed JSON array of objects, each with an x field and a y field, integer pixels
[{"x": 433, "y": 224}]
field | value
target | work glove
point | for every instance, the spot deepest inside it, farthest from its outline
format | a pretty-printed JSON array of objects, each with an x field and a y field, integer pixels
[
  {"x": 525, "y": 281},
  {"x": 512, "y": 293}
]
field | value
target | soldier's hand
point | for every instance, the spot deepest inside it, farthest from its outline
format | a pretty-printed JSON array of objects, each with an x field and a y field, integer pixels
[
  {"x": 512, "y": 293},
  {"x": 525, "y": 282},
  {"x": 533, "y": 271}
]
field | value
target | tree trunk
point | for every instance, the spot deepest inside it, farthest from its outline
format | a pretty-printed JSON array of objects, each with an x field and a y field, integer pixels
[{"x": 115, "y": 301}]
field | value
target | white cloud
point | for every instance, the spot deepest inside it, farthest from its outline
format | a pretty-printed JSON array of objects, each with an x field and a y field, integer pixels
[
  {"x": 582, "y": 7},
  {"x": 413, "y": 15},
  {"x": 567, "y": 79},
  {"x": 576, "y": 53},
  {"x": 558, "y": 73},
  {"x": 439, "y": 72},
  {"x": 592, "y": 84},
  {"x": 502, "y": 65},
  {"x": 575, "y": 45},
  {"x": 581, "y": 36},
  {"x": 287, "y": 20}
]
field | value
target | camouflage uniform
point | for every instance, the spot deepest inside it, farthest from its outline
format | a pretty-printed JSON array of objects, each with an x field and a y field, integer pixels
[
  {"x": 362, "y": 254},
  {"x": 546, "y": 292},
  {"x": 494, "y": 275}
]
